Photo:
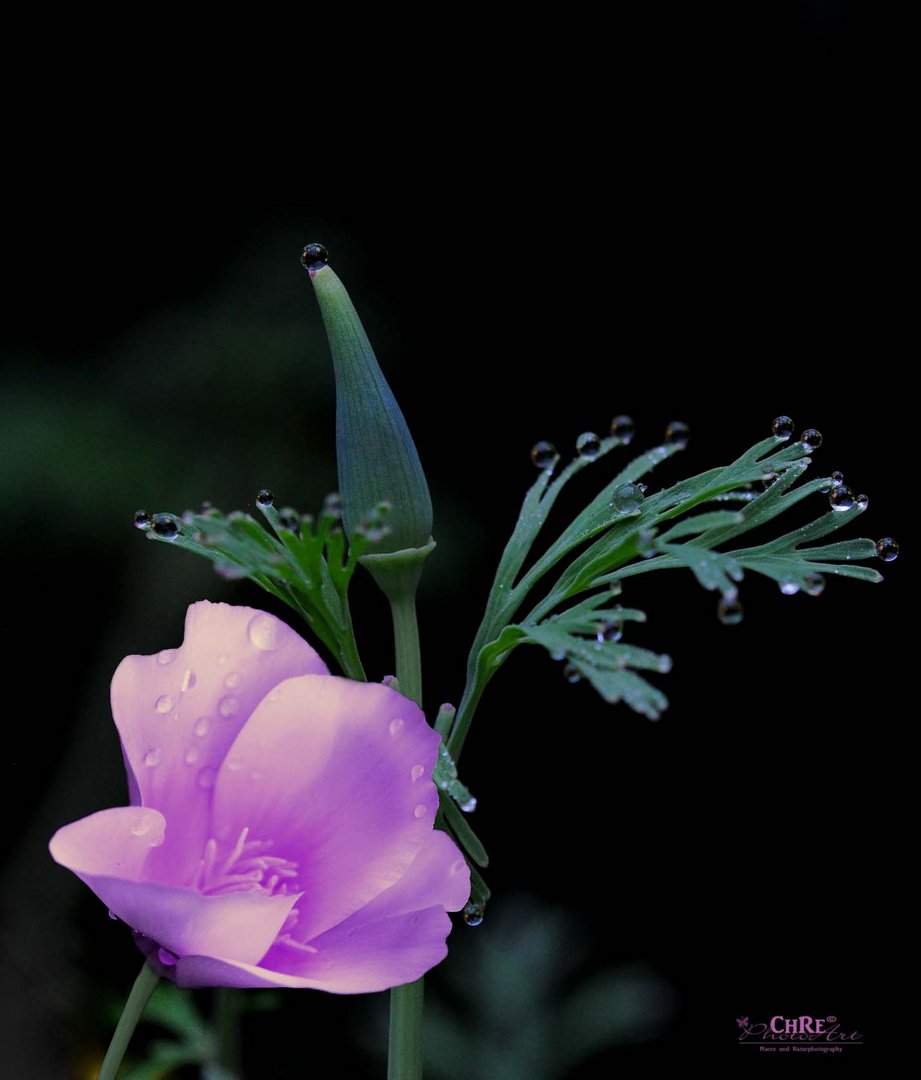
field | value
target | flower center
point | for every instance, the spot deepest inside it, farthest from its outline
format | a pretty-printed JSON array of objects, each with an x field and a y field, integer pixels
[{"x": 246, "y": 867}]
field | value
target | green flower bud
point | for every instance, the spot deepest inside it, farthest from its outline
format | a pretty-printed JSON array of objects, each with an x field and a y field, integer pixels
[{"x": 375, "y": 453}]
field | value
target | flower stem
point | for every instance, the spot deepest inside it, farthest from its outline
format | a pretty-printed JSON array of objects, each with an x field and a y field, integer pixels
[
  {"x": 134, "y": 1007},
  {"x": 405, "y": 1054},
  {"x": 405, "y": 1057}
]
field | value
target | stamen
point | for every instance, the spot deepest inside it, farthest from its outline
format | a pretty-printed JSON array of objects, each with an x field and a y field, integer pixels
[{"x": 244, "y": 868}]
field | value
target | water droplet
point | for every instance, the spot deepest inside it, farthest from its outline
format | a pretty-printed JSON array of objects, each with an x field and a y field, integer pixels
[
  {"x": 166, "y": 526},
  {"x": 396, "y": 725},
  {"x": 459, "y": 867},
  {"x": 191, "y": 756},
  {"x": 201, "y": 726},
  {"x": 624, "y": 428},
  {"x": 232, "y": 679},
  {"x": 543, "y": 454},
  {"x": 265, "y": 632},
  {"x": 572, "y": 674},
  {"x": 206, "y": 778},
  {"x": 769, "y": 476},
  {"x": 841, "y": 498},
  {"x": 627, "y": 499},
  {"x": 228, "y": 706},
  {"x": 887, "y": 549},
  {"x": 811, "y": 439},
  {"x": 167, "y": 656},
  {"x": 789, "y": 586},
  {"x": 289, "y": 518},
  {"x": 142, "y": 520},
  {"x": 677, "y": 433},
  {"x": 332, "y": 505},
  {"x": 813, "y": 584},
  {"x": 558, "y": 654},
  {"x": 588, "y": 445},
  {"x": 164, "y": 704},
  {"x": 729, "y": 611},
  {"x": 469, "y": 806},
  {"x": 189, "y": 679},
  {"x": 417, "y": 772},
  {"x": 473, "y": 912},
  {"x": 782, "y": 427},
  {"x": 265, "y": 497},
  {"x": 665, "y": 664},
  {"x": 166, "y": 958},
  {"x": 420, "y": 811},
  {"x": 314, "y": 256},
  {"x": 153, "y": 758},
  {"x": 837, "y": 478},
  {"x": 234, "y": 764},
  {"x": 863, "y": 502},
  {"x": 141, "y": 827},
  {"x": 611, "y": 630},
  {"x": 113, "y": 916}
]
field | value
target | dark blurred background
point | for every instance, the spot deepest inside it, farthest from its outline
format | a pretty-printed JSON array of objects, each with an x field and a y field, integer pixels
[{"x": 699, "y": 218}]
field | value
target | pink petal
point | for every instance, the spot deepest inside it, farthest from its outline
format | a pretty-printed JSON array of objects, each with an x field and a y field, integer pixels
[
  {"x": 337, "y": 774},
  {"x": 178, "y": 712},
  {"x": 110, "y": 850},
  {"x": 380, "y": 955}
]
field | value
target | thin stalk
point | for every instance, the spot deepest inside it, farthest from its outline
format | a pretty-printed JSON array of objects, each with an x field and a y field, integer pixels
[
  {"x": 134, "y": 1008},
  {"x": 405, "y": 1052},
  {"x": 228, "y": 1031}
]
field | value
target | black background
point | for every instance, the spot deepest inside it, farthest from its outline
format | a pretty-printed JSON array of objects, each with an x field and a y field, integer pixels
[{"x": 695, "y": 220}]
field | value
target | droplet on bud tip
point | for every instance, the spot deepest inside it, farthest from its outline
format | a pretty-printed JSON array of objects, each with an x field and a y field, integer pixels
[
  {"x": 624, "y": 428},
  {"x": 314, "y": 257},
  {"x": 543, "y": 454},
  {"x": 887, "y": 549},
  {"x": 782, "y": 427},
  {"x": 588, "y": 445},
  {"x": 811, "y": 439},
  {"x": 265, "y": 497},
  {"x": 677, "y": 433}
]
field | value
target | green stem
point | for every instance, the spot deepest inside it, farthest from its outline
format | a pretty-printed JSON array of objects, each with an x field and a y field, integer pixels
[
  {"x": 405, "y": 1058},
  {"x": 134, "y": 1007},
  {"x": 405, "y": 1053},
  {"x": 228, "y": 1031}
]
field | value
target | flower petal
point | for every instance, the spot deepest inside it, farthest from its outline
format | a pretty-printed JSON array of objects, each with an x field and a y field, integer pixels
[
  {"x": 178, "y": 712},
  {"x": 337, "y": 774},
  {"x": 110, "y": 850},
  {"x": 380, "y": 955}
]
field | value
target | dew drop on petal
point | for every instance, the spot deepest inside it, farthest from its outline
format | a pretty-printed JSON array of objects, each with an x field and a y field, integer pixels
[
  {"x": 265, "y": 632},
  {"x": 417, "y": 772},
  {"x": 153, "y": 758},
  {"x": 543, "y": 454},
  {"x": 141, "y": 827},
  {"x": 473, "y": 913},
  {"x": 189, "y": 679},
  {"x": 201, "y": 726},
  {"x": 167, "y": 656},
  {"x": 811, "y": 439},
  {"x": 191, "y": 756},
  {"x": 231, "y": 680},
  {"x": 789, "y": 586},
  {"x": 459, "y": 867},
  {"x": 228, "y": 706},
  {"x": 887, "y": 549},
  {"x": 420, "y": 811},
  {"x": 396, "y": 726},
  {"x": 588, "y": 445},
  {"x": 624, "y": 428},
  {"x": 729, "y": 611},
  {"x": 164, "y": 704},
  {"x": 782, "y": 427},
  {"x": 677, "y": 433},
  {"x": 166, "y": 958},
  {"x": 841, "y": 498},
  {"x": 222, "y": 659},
  {"x": 113, "y": 916},
  {"x": 206, "y": 778}
]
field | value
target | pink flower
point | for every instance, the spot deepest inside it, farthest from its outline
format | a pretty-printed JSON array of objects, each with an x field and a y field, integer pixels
[{"x": 280, "y": 827}]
